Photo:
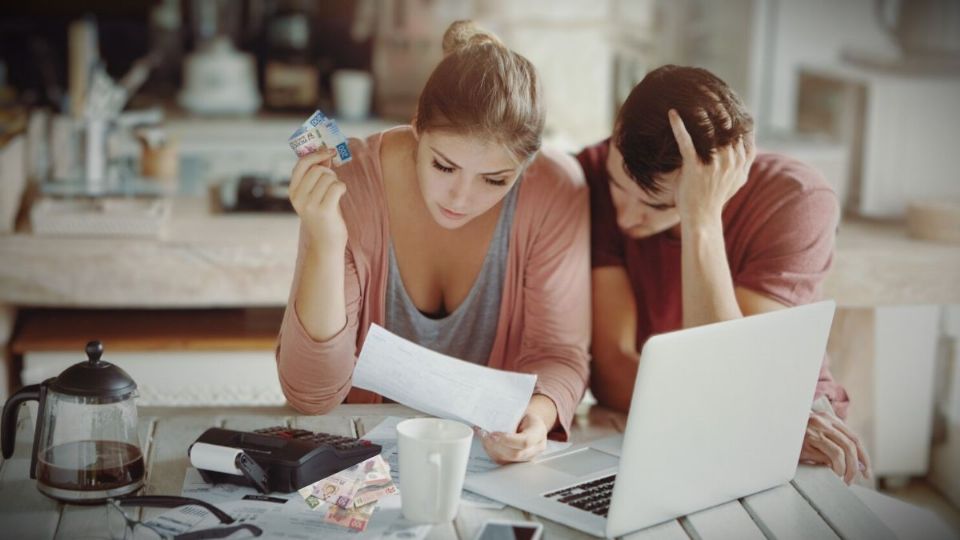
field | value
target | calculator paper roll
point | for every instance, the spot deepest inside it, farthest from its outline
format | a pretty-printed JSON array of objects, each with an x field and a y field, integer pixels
[{"x": 211, "y": 457}]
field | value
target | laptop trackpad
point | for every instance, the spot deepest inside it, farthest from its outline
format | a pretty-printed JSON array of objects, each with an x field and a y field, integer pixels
[{"x": 581, "y": 463}]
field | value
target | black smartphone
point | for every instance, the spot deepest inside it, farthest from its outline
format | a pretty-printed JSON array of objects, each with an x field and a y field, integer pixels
[{"x": 510, "y": 530}]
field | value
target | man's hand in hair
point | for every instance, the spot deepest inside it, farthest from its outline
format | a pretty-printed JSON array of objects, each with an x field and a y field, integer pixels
[{"x": 703, "y": 189}]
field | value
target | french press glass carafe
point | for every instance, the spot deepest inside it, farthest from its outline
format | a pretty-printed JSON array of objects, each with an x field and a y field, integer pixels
[{"x": 86, "y": 447}]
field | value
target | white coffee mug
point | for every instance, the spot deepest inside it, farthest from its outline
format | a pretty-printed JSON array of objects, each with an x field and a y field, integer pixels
[
  {"x": 433, "y": 463},
  {"x": 352, "y": 89}
]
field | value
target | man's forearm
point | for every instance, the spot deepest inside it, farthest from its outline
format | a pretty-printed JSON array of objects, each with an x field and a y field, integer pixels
[
  {"x": 708, "y": 293},
  {"x": 614, "y": 373}
]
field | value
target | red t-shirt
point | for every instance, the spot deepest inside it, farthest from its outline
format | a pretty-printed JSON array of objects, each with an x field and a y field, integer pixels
[{"x": 779, "y": 233}]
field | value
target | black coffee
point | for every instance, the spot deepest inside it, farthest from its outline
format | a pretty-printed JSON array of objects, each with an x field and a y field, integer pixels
[{"x": 90, "y": 465}]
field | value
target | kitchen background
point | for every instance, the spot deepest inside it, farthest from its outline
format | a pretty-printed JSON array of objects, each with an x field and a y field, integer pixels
[{"x": 142, "y": 146}]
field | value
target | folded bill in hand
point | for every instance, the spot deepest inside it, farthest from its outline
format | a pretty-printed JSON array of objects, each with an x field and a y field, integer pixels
[
  {"x": 318, "y": 132},
  {"x": 352, "y": 493}
]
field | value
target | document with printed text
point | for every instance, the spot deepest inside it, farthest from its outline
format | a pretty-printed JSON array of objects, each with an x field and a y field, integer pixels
[{"x": 441, "y": 385}]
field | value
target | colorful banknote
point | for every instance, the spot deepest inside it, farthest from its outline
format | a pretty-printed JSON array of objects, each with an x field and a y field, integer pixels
[
  {"x": 338, "y": 487},
  {"x": 355, "y": 518},
  {"x": 352, "y": 494},
  {"x": 320, "y": 131}
]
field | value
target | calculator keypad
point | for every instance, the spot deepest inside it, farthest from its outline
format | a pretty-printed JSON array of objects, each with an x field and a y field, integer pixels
[{"x": 338, "y": 442}]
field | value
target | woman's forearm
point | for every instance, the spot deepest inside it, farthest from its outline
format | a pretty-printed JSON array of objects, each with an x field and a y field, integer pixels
[
  {"x": 320, "y": 298},
  {"x": 544, "y": 408}
]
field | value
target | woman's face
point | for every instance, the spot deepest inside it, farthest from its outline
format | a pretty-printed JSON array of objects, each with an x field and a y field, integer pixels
[{"x": 461, "y": 176}]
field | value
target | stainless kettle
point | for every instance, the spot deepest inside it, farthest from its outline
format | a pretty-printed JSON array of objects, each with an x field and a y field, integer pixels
[{"x": 86, "y": 447}]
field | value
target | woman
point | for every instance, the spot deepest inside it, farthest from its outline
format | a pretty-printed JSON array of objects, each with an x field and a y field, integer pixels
[{"x": 455, "y": 233}]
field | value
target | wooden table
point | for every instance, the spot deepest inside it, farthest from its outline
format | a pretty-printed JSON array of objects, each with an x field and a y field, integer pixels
[{"x": 814, "y": 505}]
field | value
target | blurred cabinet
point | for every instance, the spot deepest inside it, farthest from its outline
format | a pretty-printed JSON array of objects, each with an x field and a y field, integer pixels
[
  {"x": 899, "y": 125},
  {"x": 582, "y": 54},
  {"x": 898, "y": 122},
  {"x": 13, "y": 179},
  {"x": 731, "y": 39},
  {"x": 886, "y": 358},
  {"x": 945, "y": 454},
  {"x": 905, "y": 341}
]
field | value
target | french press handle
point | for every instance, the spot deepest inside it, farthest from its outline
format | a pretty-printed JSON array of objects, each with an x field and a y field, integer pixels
[
  {"x": 8, "y": 424},
  {"x": 11, "y": 410}
]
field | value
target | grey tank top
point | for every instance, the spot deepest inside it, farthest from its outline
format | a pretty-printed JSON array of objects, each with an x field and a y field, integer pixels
[{"x": 467, "y": 333}]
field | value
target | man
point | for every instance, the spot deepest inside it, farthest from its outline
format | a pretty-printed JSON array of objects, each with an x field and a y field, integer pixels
[{"x": 690, "y": 226}]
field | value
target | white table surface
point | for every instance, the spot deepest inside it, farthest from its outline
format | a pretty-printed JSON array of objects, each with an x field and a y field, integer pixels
[{"x": 816, "y": 504}]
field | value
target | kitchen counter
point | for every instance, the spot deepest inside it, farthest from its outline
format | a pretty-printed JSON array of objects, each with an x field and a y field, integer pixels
[
  {"x": 878, "y": 264},
  {"x": 246, "y": 260},
  {"x": 202, "y": 260}
]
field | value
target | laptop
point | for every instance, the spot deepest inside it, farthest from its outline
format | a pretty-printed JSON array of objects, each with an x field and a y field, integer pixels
[{"x": 718, "y": 412}]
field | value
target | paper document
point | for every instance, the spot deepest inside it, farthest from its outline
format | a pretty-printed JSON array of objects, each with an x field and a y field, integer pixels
[{"x": 441, "y": 385}]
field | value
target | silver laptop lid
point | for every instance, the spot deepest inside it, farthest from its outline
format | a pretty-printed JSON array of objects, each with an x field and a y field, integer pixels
[{"x": 718, "y": 412}]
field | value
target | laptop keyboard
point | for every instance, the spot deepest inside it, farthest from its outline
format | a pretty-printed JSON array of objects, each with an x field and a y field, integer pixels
[{"x": 592, "y": 496}]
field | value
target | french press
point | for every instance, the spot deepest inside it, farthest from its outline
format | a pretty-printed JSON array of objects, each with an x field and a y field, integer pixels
[{"x": 85, "y": 448}]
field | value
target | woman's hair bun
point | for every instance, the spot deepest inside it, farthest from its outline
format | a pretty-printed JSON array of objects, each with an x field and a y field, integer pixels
[
  {"x": 483, "y": 89},
  {"x": 465, "y": 33}
]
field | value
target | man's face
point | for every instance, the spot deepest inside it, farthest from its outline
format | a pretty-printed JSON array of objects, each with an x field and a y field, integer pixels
[{"x": 639, "y": 214}]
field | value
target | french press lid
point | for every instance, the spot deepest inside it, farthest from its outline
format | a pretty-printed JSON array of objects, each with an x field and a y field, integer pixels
[{"x": 94, "y": 378}]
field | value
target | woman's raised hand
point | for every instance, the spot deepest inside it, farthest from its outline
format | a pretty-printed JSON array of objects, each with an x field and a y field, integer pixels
[{"x": 315, "y": 192}]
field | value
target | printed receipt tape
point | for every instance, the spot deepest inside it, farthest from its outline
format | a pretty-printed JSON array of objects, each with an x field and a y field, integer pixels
[{"x": 211, "y": 457}]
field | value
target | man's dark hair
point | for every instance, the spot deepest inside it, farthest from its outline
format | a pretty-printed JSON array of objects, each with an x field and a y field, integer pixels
[{"x": 714, "y": 116}]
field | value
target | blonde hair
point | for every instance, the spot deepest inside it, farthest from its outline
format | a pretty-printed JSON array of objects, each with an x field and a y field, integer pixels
[{"x": 483, "y": 88}]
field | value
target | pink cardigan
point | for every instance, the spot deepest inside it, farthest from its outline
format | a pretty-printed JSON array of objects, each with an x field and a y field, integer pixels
[{"x": 544, "y": 321}]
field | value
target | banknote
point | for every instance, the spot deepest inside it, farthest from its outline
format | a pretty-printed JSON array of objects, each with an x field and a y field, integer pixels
[
  {"x": 320, "y": 131},
  {"x": 374, "y": 470},
  {"x": 333, "y": 489},
  {"x": 352, "y": 493},
  {"x": 373, "y": 482},
  {"x": 340, "y": 488},
  {"x": 372, "y": 494},
  {"x": 355, "y": 518},
  {"x": 369, "y": 476},
  {"x": 372, "y": 473}
]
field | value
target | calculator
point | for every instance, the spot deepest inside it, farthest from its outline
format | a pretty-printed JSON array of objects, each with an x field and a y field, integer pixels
[{"x": 291, "y": 458}]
